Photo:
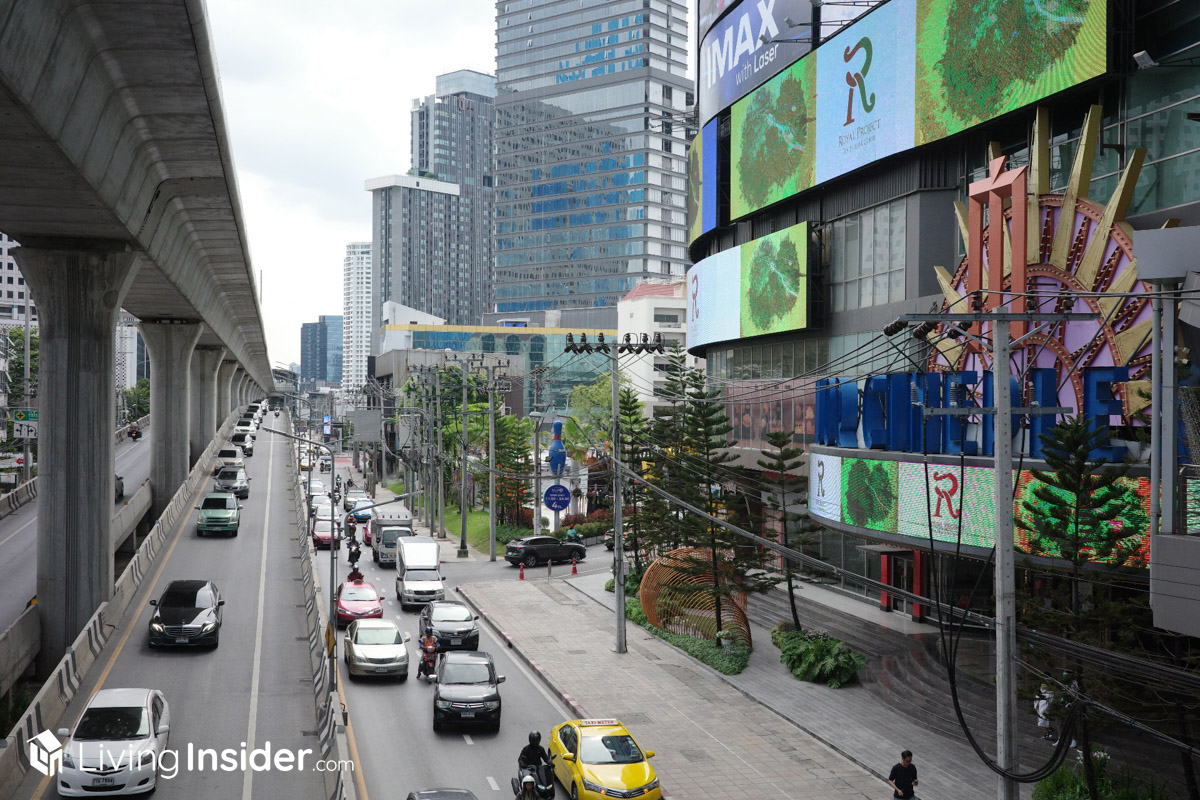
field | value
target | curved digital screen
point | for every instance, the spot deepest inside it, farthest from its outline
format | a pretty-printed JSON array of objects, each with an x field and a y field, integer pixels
[
  {"x": 769, "y": 275},
  {"x": 908, "y": 73}
]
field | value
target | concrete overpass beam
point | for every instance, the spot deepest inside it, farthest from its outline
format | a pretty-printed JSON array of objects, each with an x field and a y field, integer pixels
[
  {"x": 205, "y": 361},
  {"x": 170, "y": 345},
  {"x": 235, "y": 393},
  {"x": 79, "y": 287}
]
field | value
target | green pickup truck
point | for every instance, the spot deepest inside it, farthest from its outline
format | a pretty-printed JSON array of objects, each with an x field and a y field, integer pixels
[{"x": 220, "y": 512}]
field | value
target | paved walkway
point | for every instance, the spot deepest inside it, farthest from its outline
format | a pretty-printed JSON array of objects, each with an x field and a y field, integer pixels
[{"x": 709, "y": 741}]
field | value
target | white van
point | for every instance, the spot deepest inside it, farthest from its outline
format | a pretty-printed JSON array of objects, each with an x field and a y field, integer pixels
[
  {"x": 389, "y": 526},
  {"x": 418, "y": 573}
]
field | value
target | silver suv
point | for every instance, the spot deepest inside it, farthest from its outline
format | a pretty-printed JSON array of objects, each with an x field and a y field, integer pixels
[{"x": 232, "y": 480}]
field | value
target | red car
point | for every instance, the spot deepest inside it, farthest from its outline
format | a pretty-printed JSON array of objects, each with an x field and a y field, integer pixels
[
  {"x": 357, "y": 600},
  {"x": 322, "y": 533}
]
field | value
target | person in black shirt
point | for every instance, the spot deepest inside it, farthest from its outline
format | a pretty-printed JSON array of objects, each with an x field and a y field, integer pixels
[
  {"x": 903, "y": 778},
  {"x": 533, "y": 753}
]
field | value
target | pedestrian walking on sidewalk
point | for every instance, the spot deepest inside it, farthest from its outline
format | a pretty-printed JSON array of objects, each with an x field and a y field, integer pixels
[
  {"x": 903, "y": 778},
  {"x": 1041, "y": 705}
]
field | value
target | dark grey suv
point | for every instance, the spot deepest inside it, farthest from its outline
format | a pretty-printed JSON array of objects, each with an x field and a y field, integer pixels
[{"x": 467, "y": 691}]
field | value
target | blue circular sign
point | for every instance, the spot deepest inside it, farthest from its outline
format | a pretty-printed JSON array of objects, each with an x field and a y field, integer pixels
[{"x": 558, "y": 498}]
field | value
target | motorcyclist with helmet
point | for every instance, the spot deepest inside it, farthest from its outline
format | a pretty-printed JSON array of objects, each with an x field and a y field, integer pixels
[
  {"x": 528, "y": 789},
  {"x": 533, "y": 753},
  {"x": 429, "y": 648}
]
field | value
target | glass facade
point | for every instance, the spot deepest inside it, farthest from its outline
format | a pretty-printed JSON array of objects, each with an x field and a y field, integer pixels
[
  {"x": 590, "y": 167},
  {"x": 321, "y": 350}
]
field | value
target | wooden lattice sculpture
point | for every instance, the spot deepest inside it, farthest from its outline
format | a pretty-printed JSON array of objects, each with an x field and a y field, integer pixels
[{"x": 676, "y": 601}]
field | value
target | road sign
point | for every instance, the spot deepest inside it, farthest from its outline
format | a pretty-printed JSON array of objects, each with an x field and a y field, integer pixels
[
  {"x": 558, "y": 498},
  {"x": 25, "y": 423},
  {"x": 330, "y": 639}
]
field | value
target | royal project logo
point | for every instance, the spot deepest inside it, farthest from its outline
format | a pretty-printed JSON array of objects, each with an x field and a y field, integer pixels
[
  {"x": 857, "y": 79},
  {"x": 46, "y": 753}
]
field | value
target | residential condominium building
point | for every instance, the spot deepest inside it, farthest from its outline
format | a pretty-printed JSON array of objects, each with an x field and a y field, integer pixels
[
  {"x": 431, "y": 228},
  {"x": 656, "y": 307},
  {"x": 591, "y": 141},
  {"x": 356, "y": 314}
]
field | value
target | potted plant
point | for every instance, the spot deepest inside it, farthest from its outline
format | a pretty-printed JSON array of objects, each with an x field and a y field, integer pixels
[{"x": 725, "y": 637}]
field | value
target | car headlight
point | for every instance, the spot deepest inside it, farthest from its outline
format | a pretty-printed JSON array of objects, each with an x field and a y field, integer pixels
[
  {"x": 651, "y": 785},
  {"x": 443, "y": 704},
  {"x": 147, "y": 758},
  {"x": 68, "y": 761},
  {"x": 491, "y": 705},
  {"x": 208, "y": 626},
  {"x": 592, "y": 787},
  {"x": 156, "y": 627}
]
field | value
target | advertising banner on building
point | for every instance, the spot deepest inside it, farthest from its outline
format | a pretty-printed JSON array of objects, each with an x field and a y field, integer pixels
[
  {"x": 908, "y": 73},
  {"x": 768, "y": 274},
  {"x": 825, "y": 486},
  {"x": 733, "y": 57},
  {"x": 702, "y": 182}
]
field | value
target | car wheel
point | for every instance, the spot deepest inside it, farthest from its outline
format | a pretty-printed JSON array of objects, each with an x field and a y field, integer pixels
[
  {"x": 574, "y": 792},
  {"x": 437, "y": 725},
  {"x": 531, "y": 560},
  {"x": 374, "y": 556},
  {"x": 580, "y": 554},
  {"x": 216, "y": 640},
  {"x": 235, "y": 531},
  {"x": 403, "y": 677},
  {"x": 199, "y": 532}
]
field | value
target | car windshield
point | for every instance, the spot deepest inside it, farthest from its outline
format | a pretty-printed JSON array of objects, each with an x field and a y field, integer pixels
[
  {"x": 422, "y": 575},
  {"x": 229, "y": 475},
  {"x": 180, "y": 597},
  {"x": 466, "y": 673},
  {"x": 113, "y": 723},
  {"x": 323, "y": 526},
  {"x": 363, "y": 593},
  {"x": 451, "y": 614},
  {"x": 377, "y": 636},
  {"x": 218, "y": 503},
  {"x": 614, "y": 749},
  {"x": 227, "y": 454}
]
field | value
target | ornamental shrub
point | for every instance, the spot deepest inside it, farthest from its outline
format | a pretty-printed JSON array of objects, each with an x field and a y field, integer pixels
[{"x": 818, "y": 657}]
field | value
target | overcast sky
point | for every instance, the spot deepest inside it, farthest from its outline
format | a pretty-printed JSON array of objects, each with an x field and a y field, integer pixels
[{"x": 317, "y": 97}]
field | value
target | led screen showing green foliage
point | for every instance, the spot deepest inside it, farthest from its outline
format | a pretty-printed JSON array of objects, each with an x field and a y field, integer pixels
[
  {"x": 909, "y": 499},
  {"x": 876, "y": 89},
  {"x": 774, "y": 294}
]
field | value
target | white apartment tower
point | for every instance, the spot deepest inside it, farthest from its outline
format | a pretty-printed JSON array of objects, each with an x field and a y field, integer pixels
[{"x": 356, "y": 315}]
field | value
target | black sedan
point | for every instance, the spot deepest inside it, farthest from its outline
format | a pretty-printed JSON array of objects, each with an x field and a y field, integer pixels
[
  {"x": 453, "y": 625},
  {"x": 467, "y": 691},
  {"x": 441, "y": 794},
  {"x": 187, "y": 613},
  {"x": 534, "y": 550}
]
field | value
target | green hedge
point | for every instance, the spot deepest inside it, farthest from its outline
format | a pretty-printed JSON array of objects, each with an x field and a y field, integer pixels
[
  {"x": 817, "y": 657},
  {"x": 1068, "y": 783},
  {"x": 727, "y": 662}
]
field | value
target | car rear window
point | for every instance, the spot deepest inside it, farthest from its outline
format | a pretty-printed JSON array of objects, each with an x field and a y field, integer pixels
[{"x": 230, "y": 453}]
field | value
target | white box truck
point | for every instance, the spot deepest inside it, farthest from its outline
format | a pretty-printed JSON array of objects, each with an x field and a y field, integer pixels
[
  {"x": 387, "y": 527},
  {"x": 418, "y": 572}
]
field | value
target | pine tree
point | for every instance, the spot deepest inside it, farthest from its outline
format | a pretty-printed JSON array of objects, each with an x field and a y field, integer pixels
[
  {"x": 780, "y": 461},
  {"x": 633, "y": 435}
]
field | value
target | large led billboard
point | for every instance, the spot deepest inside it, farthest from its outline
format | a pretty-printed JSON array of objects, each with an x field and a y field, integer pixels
[
  {"x": 912, "y": 499},
  {"x": 734, "y": 58},
  {"x": 769, "y": 274},
  {"x": 702, "y": 182},
  {"x": 908, "y": 73}
]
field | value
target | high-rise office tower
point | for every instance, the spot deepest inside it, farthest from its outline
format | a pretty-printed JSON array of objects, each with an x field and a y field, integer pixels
[
  {"x": 321, "y": 350},
  {"x": 431, "y": 229},
  {"x": 356, "y": 314},
  {"x": 591, "y": 138}
]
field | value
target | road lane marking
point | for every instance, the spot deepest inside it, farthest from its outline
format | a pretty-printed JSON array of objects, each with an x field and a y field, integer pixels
[
  {"x": 166, "y": 557},
  {"x": 467, "y": 739},
  {"x": 492, "y": 783},
  {"x": 359, "y": 781},
  {"x": 251, "y": 728},
  {"x": 32, "y": 520}
]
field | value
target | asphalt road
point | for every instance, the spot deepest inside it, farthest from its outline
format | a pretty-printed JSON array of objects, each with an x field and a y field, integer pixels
[
  {"x": 392, "y": 722},
  {"x": 255, "y": 687},
  {"x": 18, "y": 533}
]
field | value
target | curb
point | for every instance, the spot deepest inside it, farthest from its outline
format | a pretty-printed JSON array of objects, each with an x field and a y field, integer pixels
[
  {"x": 567, "y": 699},
  {"x": 725, "y": 679}
]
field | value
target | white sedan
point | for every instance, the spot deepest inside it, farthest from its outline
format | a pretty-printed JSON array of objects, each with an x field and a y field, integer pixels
[{"x": 116, "y": 744}]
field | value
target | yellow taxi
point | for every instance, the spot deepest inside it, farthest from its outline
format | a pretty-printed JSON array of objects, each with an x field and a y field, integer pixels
[{"x": 598, "y": 758}]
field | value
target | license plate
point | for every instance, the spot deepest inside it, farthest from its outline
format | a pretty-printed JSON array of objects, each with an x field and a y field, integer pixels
[
  {"x": 456, "y": 641},
  {"x": 103, "y": 781},
  {"x": 381, "y": 669},
  {"x": 181, "y": 640},
  {"x": 468, "y": 714}
]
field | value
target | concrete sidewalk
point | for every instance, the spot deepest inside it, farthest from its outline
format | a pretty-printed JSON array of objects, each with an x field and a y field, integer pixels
[{"x": 710, "y": 742}]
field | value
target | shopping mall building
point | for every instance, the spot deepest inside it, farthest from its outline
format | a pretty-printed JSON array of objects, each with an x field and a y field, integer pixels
[{"x": 831, "y": 193}]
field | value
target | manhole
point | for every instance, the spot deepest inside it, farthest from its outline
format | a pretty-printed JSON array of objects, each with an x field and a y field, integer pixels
[
  {"x": 695, "y": 756},
  {"x": 636, "y": 718}
]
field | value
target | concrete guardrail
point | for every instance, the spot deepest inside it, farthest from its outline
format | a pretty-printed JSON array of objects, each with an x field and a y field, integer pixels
[{"x": 51, "y": 702}]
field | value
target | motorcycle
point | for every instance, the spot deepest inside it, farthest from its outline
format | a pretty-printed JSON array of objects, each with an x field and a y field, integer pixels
[
  {"x": 543, "y": 780},
  {"x": 428, "y": 665},
  {"x": 135, "y": 434},
  {"x": 277, "y": 413}
]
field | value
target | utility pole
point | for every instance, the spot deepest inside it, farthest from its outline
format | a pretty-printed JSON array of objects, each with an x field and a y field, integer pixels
[
  {"x": 28, "y": 394},
  {"x": 491, "y": 387},
  {"x": 537, "y": 454},
  {"x": 462, "y": 470},
  {"x": 441, "y": 483},
  {"x": 615, "y": 350}
]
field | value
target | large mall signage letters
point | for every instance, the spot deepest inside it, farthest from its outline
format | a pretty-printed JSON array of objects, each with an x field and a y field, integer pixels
[
  {"x": 908, "y": 73},
  {"x": 955, "y": 502},
  {"x": 769, "y": 275}
]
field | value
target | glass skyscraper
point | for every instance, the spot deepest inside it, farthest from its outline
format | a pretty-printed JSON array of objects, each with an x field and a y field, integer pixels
[
  {"x": 591, "y": 136},
  {"x": 321, "y": 350},
  {"x": 431, "y": 228}
]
